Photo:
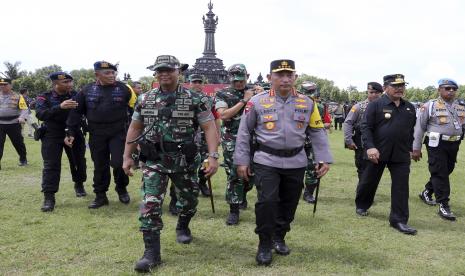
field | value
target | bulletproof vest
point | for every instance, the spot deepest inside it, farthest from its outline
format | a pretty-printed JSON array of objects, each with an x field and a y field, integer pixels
[
  {"x": 107, "y": 104},
  {"x": 442, "y": 117},
  {"x": 53, "y": 99},
  {"x": 172, "y": 115},
  {"x": 231, "y": 96},
  {"x": 9, "y": 109}
]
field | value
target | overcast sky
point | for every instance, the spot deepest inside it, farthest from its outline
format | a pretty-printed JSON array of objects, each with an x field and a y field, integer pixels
[{"x": 349, "y": 42}]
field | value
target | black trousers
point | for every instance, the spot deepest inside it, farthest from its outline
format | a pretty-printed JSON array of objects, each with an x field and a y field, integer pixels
[
  {"x": 52, "y": 150},
  {"x": 107, "y": 150},
  {"x": 360, "y": 161},
  {"x": 16, "y": 137},
  {"x": 338, "y": 122},
  {"x": 278, "y": 193},
  {"x": 441, "y": 163},
  {"x": 367, "y": 186}
]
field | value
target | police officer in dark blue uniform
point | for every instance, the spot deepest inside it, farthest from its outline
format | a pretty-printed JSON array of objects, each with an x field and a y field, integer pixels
[
  {"x": 53, "y": 108},
  {"x": 105, "y": 104}
]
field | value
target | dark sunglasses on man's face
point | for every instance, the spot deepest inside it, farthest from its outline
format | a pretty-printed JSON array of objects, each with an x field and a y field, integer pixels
[{"x": 450, "y": 88}]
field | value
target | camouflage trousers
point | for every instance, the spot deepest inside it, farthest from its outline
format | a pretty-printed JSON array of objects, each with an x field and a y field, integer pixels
[
  {"x": 236, "y": 188},
  {"x": 310, "y": 173},
  {"x": 201, "y": 155},
  {"x": 154, "y": 184}
]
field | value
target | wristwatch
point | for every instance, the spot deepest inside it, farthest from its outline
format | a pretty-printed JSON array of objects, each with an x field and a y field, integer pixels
[
  {"x": 214, "y": 155},
  {"x": 243, "y": 101}
]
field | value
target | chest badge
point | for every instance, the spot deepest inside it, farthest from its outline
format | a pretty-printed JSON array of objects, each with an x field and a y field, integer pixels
[
  {"x": 270, "y": 125},
  {"x": 387, "y": 115},
  {"x": 300, "y": 125}
]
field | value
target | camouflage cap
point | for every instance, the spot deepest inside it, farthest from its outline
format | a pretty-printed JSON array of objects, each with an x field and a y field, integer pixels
[
  {"x": 310, "y": 88},
  {"x": 196, "y": 77},
  {"x": 167, "y": 61},
  {"x": 237, "y": 72}
]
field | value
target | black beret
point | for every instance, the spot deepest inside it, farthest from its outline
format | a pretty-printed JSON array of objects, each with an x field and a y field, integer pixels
[
  {"x": 282, "y": 65},
  {"x": 375, "y": 86},
  {"x": 60, "y": 76},
  {"x": 102, "y": 65},
  {"x": 5, "y": 81}
]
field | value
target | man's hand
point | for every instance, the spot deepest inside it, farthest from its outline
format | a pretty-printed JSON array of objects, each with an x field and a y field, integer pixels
[
  {"x": 68, "y": 104},
  {"x": 416, "y": 155},
  {"x": 321, "y": 169},
  {"x": 248, "y": 94},
  {"x": 21, "y": 120},
  {"x": 244, "y": 172},
  {"x": 212, "y": 167},
  {"x": 69, "y": 141},
  {"x": 128, "y": 163},
  {"x": 352, "y": 146},
  {"x": 373, "y": 155}
]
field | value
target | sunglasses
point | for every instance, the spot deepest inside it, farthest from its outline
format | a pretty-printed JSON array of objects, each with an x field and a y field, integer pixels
[{"x": 450, "y": 88}]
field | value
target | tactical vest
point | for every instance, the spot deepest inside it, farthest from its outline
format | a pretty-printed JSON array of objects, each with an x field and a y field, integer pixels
[
  {"x": 231, "y": 96},
  {"x": 9, "y": 106},
  {"x": 172, "y": 116},
  {"x": 107, "y": 104}
]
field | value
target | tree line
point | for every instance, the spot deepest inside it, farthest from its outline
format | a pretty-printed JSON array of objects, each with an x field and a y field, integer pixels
[{"x": 37, "y": 82}]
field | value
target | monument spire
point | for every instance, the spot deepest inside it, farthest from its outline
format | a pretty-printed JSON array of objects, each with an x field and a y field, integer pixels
[{"x": 209, "y": 25}]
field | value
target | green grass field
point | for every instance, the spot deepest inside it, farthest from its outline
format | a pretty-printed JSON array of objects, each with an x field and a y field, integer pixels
[{"x": 74, "y": 240}]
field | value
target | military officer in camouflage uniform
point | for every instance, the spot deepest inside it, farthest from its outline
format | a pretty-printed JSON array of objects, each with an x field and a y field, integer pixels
[
  {"x": 230, "y": 103},
  {"x": 441, "y": 121},
  {"x": 164, "y": 124},
  {"x": 352, "y": 131},
  {"x": 280, "y": 119},
  {"x": 310, "y": 89}
]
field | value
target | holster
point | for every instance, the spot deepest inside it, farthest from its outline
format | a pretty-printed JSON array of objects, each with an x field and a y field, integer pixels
[
  {"x": 148, "y": 150},
  {"x": 190, "y": 151},
  {"x": 39, "y": 132}
]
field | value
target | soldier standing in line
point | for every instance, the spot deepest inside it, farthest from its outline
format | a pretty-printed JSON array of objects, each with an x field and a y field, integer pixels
[
  {"x": 353, "y": 122},
  {"x": 280, "y": 119},
  {"x": 13, "y": 113},
  {"x": 53, "y": 108},
  {"x": 164, "y": 123},
  {"x": 441, "y": 121}
]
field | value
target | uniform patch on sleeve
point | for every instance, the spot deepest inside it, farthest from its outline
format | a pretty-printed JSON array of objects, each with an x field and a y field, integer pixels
[
  {"x": 353, "y": 109},
  {"x": 248, "y": 107}
]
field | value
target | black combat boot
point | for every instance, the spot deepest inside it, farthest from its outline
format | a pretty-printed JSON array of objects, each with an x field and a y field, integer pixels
[
  {"x": 279, "y": 244},
  {"x": 264, "y": 254},
  {"x": 233, "y": 217},
  {"x": 172, "y": 207},
  {"x": 99, "y": 201},
  {"x": 151, "y": 257},
  {"x": 49, "y": 202},
  {"x": 123, "y": 196},
  {"x": 308, "y": 194},
  {"x": 183, "y": 233},
  {"x": 79, "y": 189}
]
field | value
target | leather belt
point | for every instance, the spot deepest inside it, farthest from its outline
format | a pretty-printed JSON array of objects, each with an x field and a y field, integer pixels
[{"x": 280, "y": 152}]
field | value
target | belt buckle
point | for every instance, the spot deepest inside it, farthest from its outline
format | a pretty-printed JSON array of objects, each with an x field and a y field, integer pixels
[{"x": 453, "y": 138}]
